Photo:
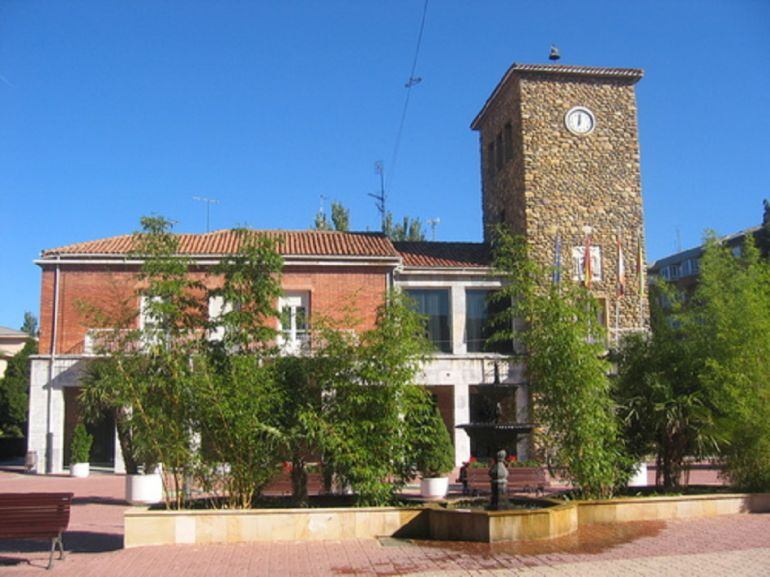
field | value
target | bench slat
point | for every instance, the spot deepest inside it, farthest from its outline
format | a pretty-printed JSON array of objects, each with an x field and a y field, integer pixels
[{"x": 34, "y": 515}]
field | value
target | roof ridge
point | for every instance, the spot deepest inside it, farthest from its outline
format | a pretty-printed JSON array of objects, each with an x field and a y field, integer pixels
[
  {"x": 303, "y": 242},
  {"x": 472, "y": 242}
]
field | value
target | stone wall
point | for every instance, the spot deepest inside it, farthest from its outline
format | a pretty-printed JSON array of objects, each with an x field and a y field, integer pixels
[{"x": 557, "y": 182}]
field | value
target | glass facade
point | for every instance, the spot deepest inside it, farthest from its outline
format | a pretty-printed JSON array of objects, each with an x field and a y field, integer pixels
[
  {"x": 478, "y": 310},
  {"x": 434, "y": 305}
]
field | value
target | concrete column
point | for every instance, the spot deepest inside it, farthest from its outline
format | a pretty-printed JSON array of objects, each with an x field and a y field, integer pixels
[
  {"x": 462, "y": 415},
  {"x": 38, "y": 411},
  {"x": 457, "y": 307}
]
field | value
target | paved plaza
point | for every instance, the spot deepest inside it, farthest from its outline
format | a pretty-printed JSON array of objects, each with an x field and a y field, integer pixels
[{"x": 737, "y": 545}]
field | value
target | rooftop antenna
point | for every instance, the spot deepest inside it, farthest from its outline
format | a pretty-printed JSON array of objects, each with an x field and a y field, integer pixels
[
  {"x": 433, "y": 222},
  {"x": 554, "y": 54},
  {"x": 321, "y": 207},
  {"x": 379, "y": 169},
  {"x": 209, "y": 202}
]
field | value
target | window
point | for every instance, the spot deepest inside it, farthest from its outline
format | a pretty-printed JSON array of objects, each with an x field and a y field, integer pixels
[
  {"x": 294, "y": 336},
  {"x": 508, "y": 140},
  {"x": 499, "y": 152},
  {"x": 674, "y": 271},
  {"x": 150, "y": 319},
  {"x": 434, "y": 305},
  {"x": 479, "y": 308},
  {"x": 578, "y": 264},
  {"x": 217, "y": 308}
]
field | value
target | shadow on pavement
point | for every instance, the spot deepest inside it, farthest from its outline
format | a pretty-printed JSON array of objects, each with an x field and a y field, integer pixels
[
  {"x": 74, "y": 542},
  {"x": 97, "y": 500}
]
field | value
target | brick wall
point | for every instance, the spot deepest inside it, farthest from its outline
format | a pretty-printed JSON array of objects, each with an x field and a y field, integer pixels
[{"x": 335, "y": 292}]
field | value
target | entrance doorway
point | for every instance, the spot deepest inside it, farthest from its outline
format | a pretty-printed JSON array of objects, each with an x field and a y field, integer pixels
[{"x": 102, "y": 431}]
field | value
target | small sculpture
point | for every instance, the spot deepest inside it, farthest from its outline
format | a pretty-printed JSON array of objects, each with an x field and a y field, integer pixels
[{"x": 498, "y": 475}]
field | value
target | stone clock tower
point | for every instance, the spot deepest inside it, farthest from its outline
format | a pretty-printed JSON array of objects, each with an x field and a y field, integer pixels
[{"x": 560, "y": 165}]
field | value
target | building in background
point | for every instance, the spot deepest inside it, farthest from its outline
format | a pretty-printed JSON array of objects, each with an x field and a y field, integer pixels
[
  {"x": 683, "y": 268},
  {"x": 11, "y": 342}
]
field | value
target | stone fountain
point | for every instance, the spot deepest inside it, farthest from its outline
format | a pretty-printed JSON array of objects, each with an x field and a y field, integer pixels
[{"x": 494, "y": 434}]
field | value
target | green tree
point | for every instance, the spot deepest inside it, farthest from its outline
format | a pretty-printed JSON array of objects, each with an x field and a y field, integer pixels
[
  {"x": 763, "y": 235},
  {"x": 80, "y": 446},
  {"x": 321, "y": 222},
  {"x": 30, "y": 324},
  {"x": 665, "y": 409},
  {"x": 410, "y": 229},
  {"x": 111, "y": 384},
  {"x": 729, "y": 323},
  {"x": 147, "y": 376},
  {"x": 568, "y": 374},
  {"x": 14, "y": 392},
  {"x": 340, "y": 217},
  {"x": 236, "y": 396},
  {"x": 432, "y": 445},
  {"x": 352, "y": 402}
]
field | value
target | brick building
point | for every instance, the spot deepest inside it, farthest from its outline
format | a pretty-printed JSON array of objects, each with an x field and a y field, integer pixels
[{"x": 559, "y": 164}]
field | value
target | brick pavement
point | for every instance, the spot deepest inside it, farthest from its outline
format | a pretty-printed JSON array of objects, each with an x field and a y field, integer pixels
[{"x": 737, "y": 545}]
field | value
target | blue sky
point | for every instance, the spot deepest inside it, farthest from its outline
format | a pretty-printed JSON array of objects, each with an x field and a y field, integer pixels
[{"x": 112, "y": 110}]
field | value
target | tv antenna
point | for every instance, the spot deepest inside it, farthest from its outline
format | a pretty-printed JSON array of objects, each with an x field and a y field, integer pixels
[
  {"x": 379, "y": 169},
  {"x": 209, "y": 202},
  {"x": 432, "y": 222}
]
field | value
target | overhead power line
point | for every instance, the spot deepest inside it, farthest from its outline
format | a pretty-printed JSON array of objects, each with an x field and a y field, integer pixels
[{"x": 410, "y": 83}]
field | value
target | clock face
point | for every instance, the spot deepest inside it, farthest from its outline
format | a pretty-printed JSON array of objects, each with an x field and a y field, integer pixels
[{"x": 579, "y": 120}]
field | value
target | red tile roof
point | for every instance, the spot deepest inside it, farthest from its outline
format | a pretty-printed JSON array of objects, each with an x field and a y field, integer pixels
[
  {"x": 288, "y": 243},
  {"x": 444, "y": 254},
  {"x": 600, "y": 71},
  {"x": 310, "y": 243},
  {"x": 630, "y": 74}
]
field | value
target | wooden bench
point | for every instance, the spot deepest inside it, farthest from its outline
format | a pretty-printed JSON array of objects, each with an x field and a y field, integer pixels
[
  {"x": 36, "y": 516},
  {"x": 520, "y": 479}
]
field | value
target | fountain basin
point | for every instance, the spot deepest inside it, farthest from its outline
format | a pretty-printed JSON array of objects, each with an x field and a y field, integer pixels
[
  {"x": 530, "y": 519},
  {"x": 151, "y": 527}
]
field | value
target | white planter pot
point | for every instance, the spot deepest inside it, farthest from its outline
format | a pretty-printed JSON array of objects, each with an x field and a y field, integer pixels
[
  {"x": 434, "y": 487},
  {"x": 80, "y": 470},
  {"x": 144, "y": 489},
  {"x": 639, "y": 479}
]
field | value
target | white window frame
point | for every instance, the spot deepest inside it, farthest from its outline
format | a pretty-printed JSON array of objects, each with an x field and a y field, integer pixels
[
  {"x": 147, "y": 326},
  {"x": 292, "y": 340},
  {"x": 217, "y": 309}
]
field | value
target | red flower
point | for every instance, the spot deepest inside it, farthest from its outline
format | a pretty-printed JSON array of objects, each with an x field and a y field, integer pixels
[
  {"x": 511, "y": 458},
  {"x": 472, "y": 460}
]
